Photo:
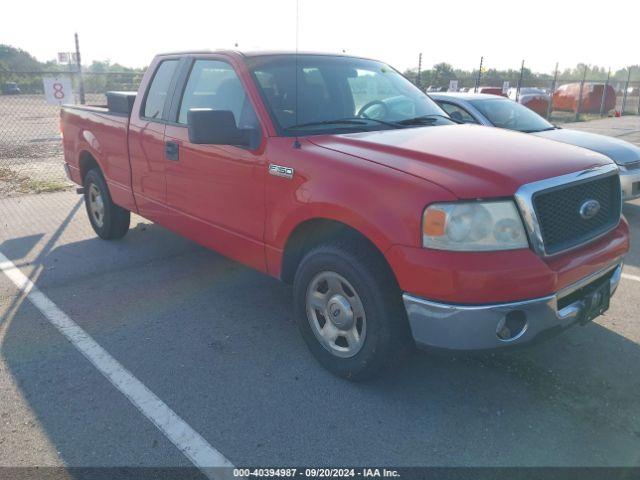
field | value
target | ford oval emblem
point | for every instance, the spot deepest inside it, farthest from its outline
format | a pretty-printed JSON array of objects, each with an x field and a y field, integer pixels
[{"x": 589, "y": 209}]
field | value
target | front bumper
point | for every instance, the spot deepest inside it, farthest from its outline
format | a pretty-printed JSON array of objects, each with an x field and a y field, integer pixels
[
  {"x": 476, "y": 327},
  {"x": 630, "y": 184}
]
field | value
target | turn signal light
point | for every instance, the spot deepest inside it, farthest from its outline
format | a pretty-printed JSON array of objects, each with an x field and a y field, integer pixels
[{"x": 434, "y": 222}]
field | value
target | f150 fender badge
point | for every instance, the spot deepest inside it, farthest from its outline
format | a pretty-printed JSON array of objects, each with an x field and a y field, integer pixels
[{"x": 280, "y": 171}]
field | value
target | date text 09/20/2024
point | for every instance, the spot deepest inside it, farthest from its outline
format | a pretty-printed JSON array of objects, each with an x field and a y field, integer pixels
[{"x": 316, "y": 472}]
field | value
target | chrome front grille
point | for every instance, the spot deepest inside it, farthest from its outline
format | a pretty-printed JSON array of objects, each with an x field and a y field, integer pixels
[{"x": 566, "y": 212}]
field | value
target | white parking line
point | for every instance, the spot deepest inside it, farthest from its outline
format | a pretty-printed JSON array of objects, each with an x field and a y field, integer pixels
[
  {"x": 631, "y": 277},
  {"x": 185, "y": 438}
]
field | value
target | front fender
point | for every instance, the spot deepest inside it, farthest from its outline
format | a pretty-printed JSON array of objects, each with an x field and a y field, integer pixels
[{"x": 383, "y": 204}]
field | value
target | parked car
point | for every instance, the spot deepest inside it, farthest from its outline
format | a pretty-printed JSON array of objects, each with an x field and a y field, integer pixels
[
  {"x": 566, "y": 98},
  {"x": 491, "y": 91},
  {"x": 535, "y": 99},
  {"x": 494, "y": 111},
  {"x": 10, "y": 88},
  {"x": 395, "y": 226}
]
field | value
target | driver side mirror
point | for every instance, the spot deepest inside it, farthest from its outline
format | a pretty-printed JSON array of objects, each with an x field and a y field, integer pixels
[{"x": 216, "y": 127}]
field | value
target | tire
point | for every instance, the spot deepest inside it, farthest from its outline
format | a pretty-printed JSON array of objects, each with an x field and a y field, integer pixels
[
  {"x": 108, "y": 220},
  {"x": 361, "y": 276}
]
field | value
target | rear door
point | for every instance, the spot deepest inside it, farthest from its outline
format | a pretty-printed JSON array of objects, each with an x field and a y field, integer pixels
[
  {"x": 216, "y": 192},
  {"x": 146, "y": 141}
]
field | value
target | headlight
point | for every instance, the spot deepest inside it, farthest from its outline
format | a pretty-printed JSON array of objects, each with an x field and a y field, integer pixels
[{"x": 473, "y": 226}]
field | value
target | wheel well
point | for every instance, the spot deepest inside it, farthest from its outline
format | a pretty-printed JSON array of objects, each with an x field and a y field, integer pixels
[
  {"x": 87, "y": 162},
  {"x": 312, "y": 233}
]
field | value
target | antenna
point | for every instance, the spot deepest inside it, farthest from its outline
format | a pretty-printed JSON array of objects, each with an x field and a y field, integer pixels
[{"x": 296, "y": 142}]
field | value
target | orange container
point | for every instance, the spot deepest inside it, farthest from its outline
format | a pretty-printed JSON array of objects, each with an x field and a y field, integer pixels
[
  {"x": 537, "y": 103},
  {"x": 565, "y": 98}
]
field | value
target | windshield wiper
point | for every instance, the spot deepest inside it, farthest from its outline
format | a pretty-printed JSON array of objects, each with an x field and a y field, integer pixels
[
  {"x": 346, "y": 121},
  {"x": 422, "y": 120},
  {"x": 541, "y": 130},
  {"x": 382, "y": 122},
  {"x": 426, "y": 119},
  {"x": 328, "y": 122}
]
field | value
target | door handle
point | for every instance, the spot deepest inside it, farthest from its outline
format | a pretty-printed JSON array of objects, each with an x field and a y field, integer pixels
[{"x": 171, "y": 150}]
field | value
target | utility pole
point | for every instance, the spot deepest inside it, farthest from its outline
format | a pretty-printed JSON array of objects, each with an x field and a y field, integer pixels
[
  {"x": 626, "y": 89},
  {"x": 79, "y": 67},
  {"x": 419, "y": 78},
  {"x": 553, "y": 91},
  {"x": 475, "y": 89},
  {"x": 604, "y": 93},
  {"x": 519, "y": 81},
  {"x": 579, "y": 106}
]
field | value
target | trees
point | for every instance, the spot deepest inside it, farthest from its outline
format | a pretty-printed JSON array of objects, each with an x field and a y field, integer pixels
[
  {"x": 17, "y": 60},
  {"x": 19, "y": 66},
  {"x": 103, "y": 76},
  {"x": 440, "y": 75}
]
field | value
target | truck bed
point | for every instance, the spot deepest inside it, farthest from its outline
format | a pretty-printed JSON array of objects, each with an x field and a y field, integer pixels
[{"x": 94, "y": 132}]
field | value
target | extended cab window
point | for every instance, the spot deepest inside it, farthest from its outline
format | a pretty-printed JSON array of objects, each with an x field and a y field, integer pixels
[
  {"x": 159, "y": 89},
  {"x": 214, "y": 84}
]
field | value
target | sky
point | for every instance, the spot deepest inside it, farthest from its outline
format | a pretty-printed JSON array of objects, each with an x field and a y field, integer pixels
[{"x": 394, "y": 31}]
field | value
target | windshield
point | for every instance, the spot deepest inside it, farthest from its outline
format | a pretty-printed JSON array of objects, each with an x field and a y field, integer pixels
[
  {"x": 505, "y": 113},
  {"x": 339, "y": 95}
]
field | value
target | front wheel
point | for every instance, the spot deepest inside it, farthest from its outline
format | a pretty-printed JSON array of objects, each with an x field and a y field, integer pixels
[
  {"x": 349, "y": 310},
  {"x": 108, "y": 220}
]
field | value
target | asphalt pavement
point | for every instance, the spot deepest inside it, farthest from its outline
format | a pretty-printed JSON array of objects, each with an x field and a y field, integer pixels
[{"x": 216, "y": 343}]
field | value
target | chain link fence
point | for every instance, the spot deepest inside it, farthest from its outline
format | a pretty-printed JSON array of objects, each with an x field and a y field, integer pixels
[
  {"x": 31, "y": 155},
  {"x": 563, "y": 99}
]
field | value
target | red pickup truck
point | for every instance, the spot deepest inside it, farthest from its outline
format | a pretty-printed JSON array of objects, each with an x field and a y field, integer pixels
[{"x": 395, "y": 225}]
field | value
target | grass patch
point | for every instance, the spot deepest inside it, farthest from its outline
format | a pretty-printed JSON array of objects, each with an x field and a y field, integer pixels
[
  {"x": 20, "y": 184},
  {"x": 569, "y": 117},
  {"x": 7, "y": 175},
  {"x": 41, "y": 186}
]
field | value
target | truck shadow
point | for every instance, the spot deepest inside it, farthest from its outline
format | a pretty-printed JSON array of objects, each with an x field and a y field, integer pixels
[
  {"x": 631, "y": 210},
  {"x": 216, "y": 342}
]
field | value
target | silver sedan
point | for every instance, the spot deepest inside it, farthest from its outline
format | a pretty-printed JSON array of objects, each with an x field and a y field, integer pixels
[{"x": 501, "y": 112}]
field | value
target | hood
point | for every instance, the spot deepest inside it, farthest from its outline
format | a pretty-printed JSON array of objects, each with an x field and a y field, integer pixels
[
  {"x": 617, "y": 150},
  {"x": 469, "y": 160}
]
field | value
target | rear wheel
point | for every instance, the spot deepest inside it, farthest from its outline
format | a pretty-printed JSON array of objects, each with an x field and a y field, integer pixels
[
  {"x": 349, "y": 310},
  {"x": 108, "y": 220}
]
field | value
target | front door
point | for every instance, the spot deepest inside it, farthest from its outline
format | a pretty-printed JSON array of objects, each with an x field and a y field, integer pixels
[{"x": 216, "y": 192}]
